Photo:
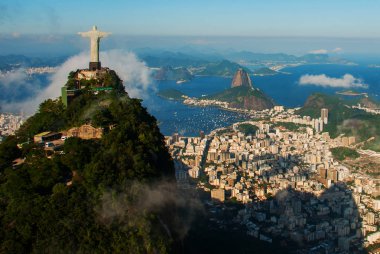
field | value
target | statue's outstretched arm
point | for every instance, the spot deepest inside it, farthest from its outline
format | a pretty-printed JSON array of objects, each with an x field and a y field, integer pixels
[
  {"x": 85, "y": 34},
  {"x": 103, "y": 34}
]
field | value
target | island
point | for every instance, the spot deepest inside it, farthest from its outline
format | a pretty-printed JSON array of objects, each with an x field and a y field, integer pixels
[
  {"x": 180, "y": 74},
  {"x": 265, "y": 71},
  {"x": 172, "y": 94},
  {"x": 351, "y": 93}
]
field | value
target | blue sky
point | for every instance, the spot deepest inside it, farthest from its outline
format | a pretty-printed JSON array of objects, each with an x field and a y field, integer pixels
[
  {"x": 328, "y": 21},
  {"x": 329, "y": 18}
]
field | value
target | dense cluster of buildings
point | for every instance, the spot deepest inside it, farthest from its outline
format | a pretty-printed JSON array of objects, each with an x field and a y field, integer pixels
[
  {"x": 291, "y": 184},
  {"x": 29, "y": 71},
  {"x": 366, "y": 109},
  {"x": 225, "y": 106},
  {"x": 9, "y": 123},
  {"x": 41, "y": 70},
  {"x": 205, "y": 102},
  {"x": 289, "y": 116},
  {"x": 277, "y": 113}
]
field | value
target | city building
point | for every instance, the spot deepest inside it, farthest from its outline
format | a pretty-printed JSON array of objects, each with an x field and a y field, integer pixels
[
  {"x": 218, "y": 194},
  {"x": 325, "y": 115}
]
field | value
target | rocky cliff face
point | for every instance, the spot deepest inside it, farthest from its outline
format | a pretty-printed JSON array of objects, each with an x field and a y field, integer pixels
[
  {"x": 368, "y": 103},
  {"x": 241, "y": 78},
  {"x": 258, "y": 103},
  {"x": 253, "y": 101}
]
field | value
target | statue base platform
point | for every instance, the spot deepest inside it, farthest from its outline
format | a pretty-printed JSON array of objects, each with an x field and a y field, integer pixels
[{"x": 95, "y": 66}]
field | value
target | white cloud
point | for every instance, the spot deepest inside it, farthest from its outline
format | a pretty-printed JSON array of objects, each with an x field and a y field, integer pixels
[
  {"x": 325, "y": 51},
  {"x": 319, "y": 51},
  {"x": 16, "y": 85},
  {"x": 134, "y": 73},
  {"x": 337, "y": 50},
  {"x": 347, "y": 81},
  {"x": 8, "y": 78},
  {"x": 53, "y": 90},
  {"x": 16, "y": 35}
]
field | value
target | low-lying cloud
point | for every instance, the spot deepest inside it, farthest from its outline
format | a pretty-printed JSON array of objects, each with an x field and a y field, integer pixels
[
  {"x": 10, "y": 77},
  {"x": 135, "y": 74},
  {"x": 176, "y": 209},
  {"x": 325, "y": 51},
  {"x": 17, "y": 85},
  {"x": 347, "y": 81}
]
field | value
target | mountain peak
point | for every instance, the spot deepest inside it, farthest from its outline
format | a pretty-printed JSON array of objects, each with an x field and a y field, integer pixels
[
  {"x": 244, "y": 97},
  {"x": 241, "y": 78}
]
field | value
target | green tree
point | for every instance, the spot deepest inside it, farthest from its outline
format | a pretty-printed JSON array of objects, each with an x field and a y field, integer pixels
[
  {"x": 50, "y": 117},
  {"x": 54, "y": 205},
  {"x": 8, "y": 152}
]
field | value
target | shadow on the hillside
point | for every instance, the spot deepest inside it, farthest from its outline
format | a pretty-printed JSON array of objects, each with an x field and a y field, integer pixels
[{"x": 292, "y": 221}]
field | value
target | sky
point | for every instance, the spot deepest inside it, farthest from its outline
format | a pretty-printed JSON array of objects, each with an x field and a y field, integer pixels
[{"x": 352, "y": 25}]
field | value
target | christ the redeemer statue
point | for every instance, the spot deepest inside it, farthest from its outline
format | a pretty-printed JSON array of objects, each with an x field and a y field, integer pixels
[{"x": 95, "y": 37}]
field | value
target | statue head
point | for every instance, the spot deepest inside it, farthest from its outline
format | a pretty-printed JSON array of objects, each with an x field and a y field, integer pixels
[{"x": 94, "y": 28}]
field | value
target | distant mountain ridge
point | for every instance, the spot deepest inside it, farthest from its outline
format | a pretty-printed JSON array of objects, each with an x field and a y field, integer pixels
[
  {"x": 175, "y": 59},
  {"x": 9, "y": 62},
  {"x": 223, "y": 68},
  {"x": 192, "y": 57},
  {"x": 170, "y": 73},
  {"x": 247, "y": 56},
  {"x": 171, "y": 94}
]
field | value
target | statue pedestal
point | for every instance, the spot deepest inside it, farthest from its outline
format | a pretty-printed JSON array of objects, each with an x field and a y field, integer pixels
[{"x": 94, "y": 66}]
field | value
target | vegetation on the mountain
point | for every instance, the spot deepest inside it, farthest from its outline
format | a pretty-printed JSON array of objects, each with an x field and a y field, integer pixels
[
  {"x": 289, "y": 126},
  {"x": 71, "y": 202},
  {"x": 8, "y": 152},
  {"x": 236, "y": 94},
  {"x": 341, "y": 153},
  {"x": 339, "y": 111},
  {"x": 343, "y": 119},
  {"x": 50, "y": 116},
  {"x": 244, "y": 97},
  {"x": 224, "y": 131},
  {"x": 171, "y": 94},
  {"x": 248, "y": 129},
  {"x": 170, "y": 73}
]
